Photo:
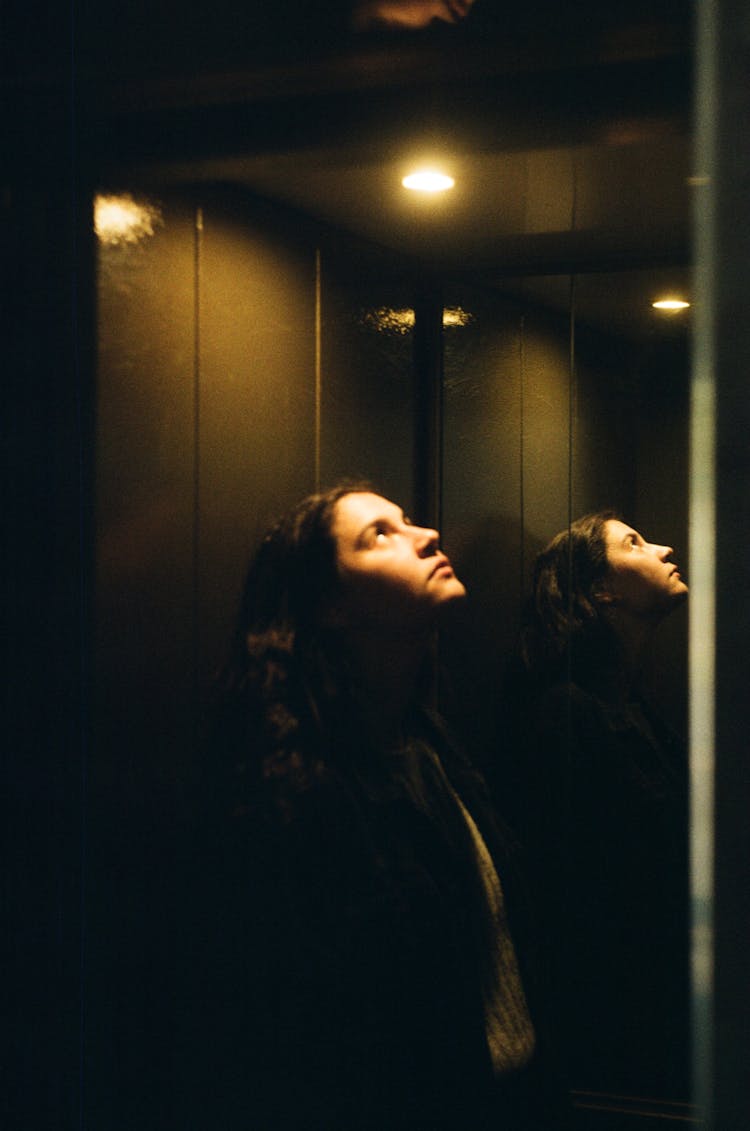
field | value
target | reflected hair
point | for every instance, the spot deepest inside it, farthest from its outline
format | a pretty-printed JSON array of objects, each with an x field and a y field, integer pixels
[{"x": 565, "y": 625}]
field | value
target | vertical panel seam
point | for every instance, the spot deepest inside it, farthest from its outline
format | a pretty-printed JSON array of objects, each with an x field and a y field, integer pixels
[
  {"x": 522, "y": 450},
  {"x": 318, "y": 367},
  {"x": 197, "y": 250}
]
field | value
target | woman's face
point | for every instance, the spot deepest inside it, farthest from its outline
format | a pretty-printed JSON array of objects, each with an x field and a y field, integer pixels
[
  {"x": 642, "y": 579},
  {"x": 392, "y": 573}
]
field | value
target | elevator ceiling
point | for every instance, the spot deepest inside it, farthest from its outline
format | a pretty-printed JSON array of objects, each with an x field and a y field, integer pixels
[{"x": 568, "y": 134}]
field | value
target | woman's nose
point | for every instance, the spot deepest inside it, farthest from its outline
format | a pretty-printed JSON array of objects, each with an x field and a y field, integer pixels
[
  {"x": 664, "y": 552},
  {"x": 427, "y": 540}
]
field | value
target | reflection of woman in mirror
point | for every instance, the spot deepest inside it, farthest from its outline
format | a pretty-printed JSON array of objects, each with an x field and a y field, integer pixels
[
  {"x": 365, "y": 936},
  {"x": 603, "y": 806}
]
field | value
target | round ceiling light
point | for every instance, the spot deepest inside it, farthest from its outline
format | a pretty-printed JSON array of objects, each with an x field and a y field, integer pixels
[
  {"x": 670, "y": 305},
  {"x": 428, "y": 180}
]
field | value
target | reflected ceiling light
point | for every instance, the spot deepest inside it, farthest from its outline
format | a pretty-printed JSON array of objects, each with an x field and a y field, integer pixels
[
  {"x": 385, "y": 319},
  {"x": 454, "y": 316},
  {"x": 670, "y": 305},
  {"x": 428, "y": 180},
  {"x": 122, "y": 220}
]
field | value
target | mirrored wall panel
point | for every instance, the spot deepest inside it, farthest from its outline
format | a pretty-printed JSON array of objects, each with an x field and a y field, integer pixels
[{"x": 564, "y": 397}]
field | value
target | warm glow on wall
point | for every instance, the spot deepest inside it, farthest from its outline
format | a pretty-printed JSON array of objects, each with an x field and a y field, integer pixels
[
  {"x": 428, "y": 180},
  {"x": 670, "y": 305},
  {"x": 123, "y": 220}
]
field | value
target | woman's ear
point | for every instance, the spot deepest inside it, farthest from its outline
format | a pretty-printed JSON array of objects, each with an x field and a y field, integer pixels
[{"x": 605, "y": 596}]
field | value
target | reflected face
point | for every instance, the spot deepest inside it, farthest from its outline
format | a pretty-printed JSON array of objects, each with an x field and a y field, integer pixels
[
  {"x": 393, "y": 573},
  {"x": 642, "y": 577}
]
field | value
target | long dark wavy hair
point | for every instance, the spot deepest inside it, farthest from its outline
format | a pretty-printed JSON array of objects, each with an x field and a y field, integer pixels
[
  {"x": 567, "y": 631},
  {"x": 279, "y": 701}
]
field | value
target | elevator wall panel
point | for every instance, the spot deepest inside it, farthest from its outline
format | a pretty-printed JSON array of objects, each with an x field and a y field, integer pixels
[
  {"x": 367, "y": 385},
  {"x": 143, "y": 624},
  {"x": 256, "y": 397}
]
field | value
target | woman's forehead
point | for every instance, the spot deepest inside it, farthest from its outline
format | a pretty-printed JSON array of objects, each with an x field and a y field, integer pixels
[
  {"x": 359, "y": 508},
  {"x": 617, "y": 530}
]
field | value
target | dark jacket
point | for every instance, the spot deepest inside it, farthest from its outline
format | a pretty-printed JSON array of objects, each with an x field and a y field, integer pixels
[
  {"x": 603, "y": 814},
  {"x": 332, "y": 972}
]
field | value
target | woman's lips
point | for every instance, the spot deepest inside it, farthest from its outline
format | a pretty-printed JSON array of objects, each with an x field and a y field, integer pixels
[{"x": 443, "y": 565}]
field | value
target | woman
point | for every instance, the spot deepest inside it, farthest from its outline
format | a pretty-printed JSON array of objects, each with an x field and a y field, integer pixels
[
  {"x": 363, "y": 969},
  {"x": 604, "y": 810},
  {"x": 599, "y": 592}
]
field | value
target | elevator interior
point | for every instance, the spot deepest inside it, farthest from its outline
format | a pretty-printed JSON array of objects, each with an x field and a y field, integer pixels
[{"x": 289, "y": 315}]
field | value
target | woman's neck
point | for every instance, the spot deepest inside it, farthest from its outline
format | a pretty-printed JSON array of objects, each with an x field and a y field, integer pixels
[
  {"x": 634, "y": 635},
  {"x": 388, "y": 668}
]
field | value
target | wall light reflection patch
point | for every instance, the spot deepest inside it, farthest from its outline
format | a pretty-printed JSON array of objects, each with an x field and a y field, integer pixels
[
  {"x": 454, "y": 316},
  {"x": 386, "y": 320},
  {"x": 120, "y": 220}
]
